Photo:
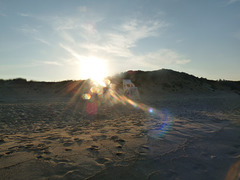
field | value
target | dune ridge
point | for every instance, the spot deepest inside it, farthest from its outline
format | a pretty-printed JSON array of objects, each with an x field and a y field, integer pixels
[{"x": 149, "y": 82}]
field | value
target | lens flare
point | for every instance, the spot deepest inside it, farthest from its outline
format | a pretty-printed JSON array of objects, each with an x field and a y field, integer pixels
[
  {"x": 96, "y": 90},
  {"x": 86, "y": 96},
  {"x": 91, "y": 108},
  {"x": 163, "y": 124},
  {"x": 161, "y": 121},
  {"x": 150, "y": 110}
]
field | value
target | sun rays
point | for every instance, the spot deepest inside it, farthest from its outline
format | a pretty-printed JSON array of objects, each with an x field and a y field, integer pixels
[
  {"x": 97, "y": 91},
  {"x": 93, "y": 68}
]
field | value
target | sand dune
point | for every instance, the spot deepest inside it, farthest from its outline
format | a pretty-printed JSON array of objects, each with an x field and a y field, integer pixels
[{"x": 171, "y": 136}]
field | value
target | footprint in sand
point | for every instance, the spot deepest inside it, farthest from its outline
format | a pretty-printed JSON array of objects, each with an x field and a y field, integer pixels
[
  {"x": 47, "y": 142},
  {"x": 41, "y": 145},
  {"x": 41, "y": 149},
  {"x": 29, "y": 146},
  {"x": 24, "y": 140},
  {"x": 116, "y": 139},
  {"x": 47, "y": 158},
  {"x": 47, "y": 152},
  {"x": 121, "y": 141},
  {"x": 13, "y": 147},
  {"x": 79, "y": 141},
  {"x": 101, "y": 137},
  {"x": 2, "y": 141},
  {"x": 103, "y": 160},
  {"x": 145, "y": 147},
  {"x": 68, "y": 143},
  {"x": 119, "y": 147},
  {"x": 68, "y": 149},
  {"x": 20, "y": 147},
  {"x": 93, "y": 149},
  {"x": 10, "y": 152},
  {"x": 143, "y": 150},
  {"x": 120, "y": 154},
  {"x": 52, "y": 138},
  {"x": 73, "y": 174},
  {"x": 63, "y": 167},
  {"x": 57, "y": 160},
  {"x": 39, "y": 157}
]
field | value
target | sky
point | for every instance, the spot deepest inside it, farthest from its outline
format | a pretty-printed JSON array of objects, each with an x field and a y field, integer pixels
[{"x": 55, "y": 40}]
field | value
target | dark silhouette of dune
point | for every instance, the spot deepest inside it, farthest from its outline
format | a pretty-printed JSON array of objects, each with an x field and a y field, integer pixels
[
  {"x": 21, "y": 89},
  {"x": 169, "y": 81},
  {"x": 162, "y": 81}
]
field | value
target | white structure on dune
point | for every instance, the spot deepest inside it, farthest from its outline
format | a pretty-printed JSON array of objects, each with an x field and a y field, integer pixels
[{"x": 130, "y": 89}]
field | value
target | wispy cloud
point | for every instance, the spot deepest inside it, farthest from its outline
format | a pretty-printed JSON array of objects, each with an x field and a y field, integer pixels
[
  {"x": 17, "y": 66},
  {"x": 128, "y": 34},
  {"x": 23, "y": 14},
  {"x": 232, "y": 1},
  {"x": 34, "y": 33},
  {"x": 67, "y": 37},
  {"x": 87, "y": 34},
  {"x": 52, "y": 63},
  {"x": 118, "y": 42},
  {"x": 64, "y": 23},
  {"x": 42, "y": 41},
  {"x": 42, "y": 62},
  {"x": 160, "y": 58},
  {"x": 28, "y": 29},
  {"x": 71, "y": 52},
  {"x": 82, "y": 8}
]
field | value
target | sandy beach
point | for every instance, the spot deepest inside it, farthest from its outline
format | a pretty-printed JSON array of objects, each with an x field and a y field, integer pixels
[{"x": 172, "y": 136}]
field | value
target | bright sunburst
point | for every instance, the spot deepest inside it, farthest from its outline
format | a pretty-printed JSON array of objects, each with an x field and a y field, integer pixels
[{"x": 93, "y": 68}]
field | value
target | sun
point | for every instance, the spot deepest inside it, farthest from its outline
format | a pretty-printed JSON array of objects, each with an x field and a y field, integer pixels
[{"x": 93, "y": 68}]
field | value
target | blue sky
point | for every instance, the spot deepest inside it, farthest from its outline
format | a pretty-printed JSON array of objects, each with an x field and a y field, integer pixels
[{"x": 51, "y": 39}]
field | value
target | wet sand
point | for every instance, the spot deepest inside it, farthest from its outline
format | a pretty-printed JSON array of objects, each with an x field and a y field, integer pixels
[{"x": 159, "y": 137}]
